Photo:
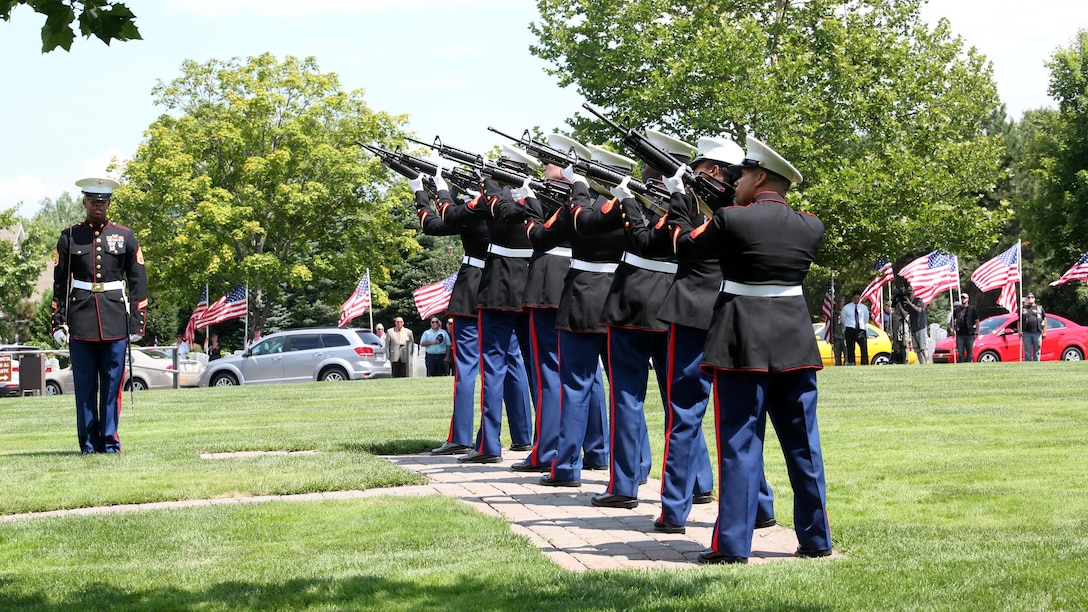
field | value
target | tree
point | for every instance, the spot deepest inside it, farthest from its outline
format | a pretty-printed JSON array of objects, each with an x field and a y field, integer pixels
[
  {"x": 1055, "y": 216},
  {"x": 252, "y": 178},
  {"x": 102, "y": 19},
  {"x": 884, "y": 116},
  {"x": 22, "y": 260}
]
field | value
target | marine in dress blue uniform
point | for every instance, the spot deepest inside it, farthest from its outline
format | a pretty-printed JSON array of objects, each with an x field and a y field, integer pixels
[
  {"x": 99, "y": 304},
  {"x": 686, "y": 472},
  {"x": 762, "y": 355}
]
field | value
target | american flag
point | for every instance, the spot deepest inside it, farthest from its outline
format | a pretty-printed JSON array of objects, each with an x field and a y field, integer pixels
[
  {"x": 1079, "y": 271},
  {"x": 1001, "y": 271},
  {"x": 931, "y": 274},
  {"x": 190, "y": 328},
  {"x": 872, "y": 292},
  {"x": 828, "y": 310},
  {"x": 358, "y": 303},
  {"x": 233, "y": 305},
  {"x": 434, "y": 298}
]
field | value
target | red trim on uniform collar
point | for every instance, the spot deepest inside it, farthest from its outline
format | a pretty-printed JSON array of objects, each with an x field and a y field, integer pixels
[{"x": 770, "y": 196}]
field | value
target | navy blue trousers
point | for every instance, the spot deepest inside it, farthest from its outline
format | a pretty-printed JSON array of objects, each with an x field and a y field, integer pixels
[
  {"x": 742, "y": 403},
  {"x": 500, "y": 354},
  {"x": 579, "y": 376},
  {"x": 98, "y": 370},
  {"x": 629, "y": 355},
  {"x": 466, "y": 365}
]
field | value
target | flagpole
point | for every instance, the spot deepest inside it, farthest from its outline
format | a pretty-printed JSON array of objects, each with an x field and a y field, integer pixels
[
  {"x": 245, "y": 325},
  {"x": 1020, "y": 300},
  {"x": 370, "y": 298}
]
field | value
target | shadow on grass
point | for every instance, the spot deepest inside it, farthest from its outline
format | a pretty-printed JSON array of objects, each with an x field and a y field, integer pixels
[
  {"x": 392, "y": 447},
  {"x": 71, "y": 453},
  {"x": 553, "y": 591}
]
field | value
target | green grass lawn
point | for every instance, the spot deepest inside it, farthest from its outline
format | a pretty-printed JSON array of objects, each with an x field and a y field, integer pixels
[{"x": 950, "y": 487}]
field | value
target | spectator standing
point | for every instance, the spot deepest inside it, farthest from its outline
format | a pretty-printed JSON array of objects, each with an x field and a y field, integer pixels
[
  {"x": 398, "y": 347},
  {"x": 449, "y": 349},
  {"x": 212, "y": 348},
  {"x": 855, "y": 317},
  {"x": 964, "y": 327},
  {"x": 886, "y": 318},
  {"x": 256, "y": 337},
  {"x": 919, "y": 325},
  {"x": 838, "y": 332},
  {"x": 1033, "y": 324},
  {"x": 435, "y": 343},
  {"x": 182, "y": 346}
]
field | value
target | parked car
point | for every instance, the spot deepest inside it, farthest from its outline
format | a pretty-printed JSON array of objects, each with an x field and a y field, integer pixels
[
  {"x": 301, "y": 355},
  {"x": 878, "y": 344},
  {"x": 154, "y": 369},
  {"x": 11, "y": 387},
  {"x": 999, "y": 340}
]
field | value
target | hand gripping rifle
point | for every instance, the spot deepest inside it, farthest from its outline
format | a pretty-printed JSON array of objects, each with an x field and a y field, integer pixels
[
  {"x": 500, "y": 171},
  {"x": 410, "y": 166},
  {"x": 652, "y": 196},
  {"x": 705, "y": 189}
]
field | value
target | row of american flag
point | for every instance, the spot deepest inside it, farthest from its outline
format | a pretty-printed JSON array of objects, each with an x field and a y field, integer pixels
[
  {"x": 936, "y": 272},
  {"x": 429, "y": 299}
]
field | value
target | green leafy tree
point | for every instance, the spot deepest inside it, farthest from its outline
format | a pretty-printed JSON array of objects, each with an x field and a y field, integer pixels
[
  {"x": 103, "y": 19},
  {"x": 885, "y": 116},
  {"x": 252, "y": 178},
  {"x": 1055, "y": 215},
  {"x": 23, "y": 260}
]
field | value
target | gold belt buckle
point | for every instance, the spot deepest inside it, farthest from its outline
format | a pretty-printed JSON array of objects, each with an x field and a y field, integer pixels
[{"x": 97, "y": 288}]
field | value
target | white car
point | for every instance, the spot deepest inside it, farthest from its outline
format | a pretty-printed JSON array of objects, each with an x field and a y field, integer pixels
[{"x": 154, "y": 370}]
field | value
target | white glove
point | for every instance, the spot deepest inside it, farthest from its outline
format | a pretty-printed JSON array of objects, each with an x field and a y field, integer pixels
[
  {"x": 525, "y": 191},
  {"x": 417, "y": 183},
  {"x": 135, "y": 337},
  {"x": 622, "y": 192},
  {"x": 675, "y": 183},
  {"x": 61, "y": 336},
  {"x": 570, "y": 175},
  {"x": 439, "y": 182}
]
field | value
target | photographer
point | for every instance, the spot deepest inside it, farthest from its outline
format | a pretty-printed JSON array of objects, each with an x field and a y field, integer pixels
[
  {"x": 899, "y": 326},
  {"x": 919, "y": 325}
]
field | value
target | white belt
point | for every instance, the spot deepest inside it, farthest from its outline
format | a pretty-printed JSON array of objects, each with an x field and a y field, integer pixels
[
  {"x": 505, "y": 252},
  {"x": 472, "y": 261},
  {"x": 592, "y": 266},
  {"x": 560, "y": 251},
  {"x": 98, "y": 287},
  {"x": 760, "y": 290},
  {"x": 649, "y": 264}
]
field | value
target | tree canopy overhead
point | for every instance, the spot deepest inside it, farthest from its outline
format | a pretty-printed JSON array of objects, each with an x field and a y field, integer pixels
[
  {"x": 252, "y": 178},
  {"x": 884, "y": 116},
  {"x": 103, "y": 19}
]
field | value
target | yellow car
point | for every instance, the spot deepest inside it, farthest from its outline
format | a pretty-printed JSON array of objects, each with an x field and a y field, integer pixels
[{"x": 879, "y": 344}]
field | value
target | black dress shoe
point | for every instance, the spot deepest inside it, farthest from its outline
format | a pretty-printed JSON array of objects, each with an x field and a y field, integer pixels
[
  {"x": 475, "y": 457},
  {"x": 702, "y": 498},
  {"x": 765, "y": 523},
  {"x": 595, "y": 468},
  {"x": 548, "y": 481},
  {"x": 709, "y": 557},
  {"x": 809, "y": 553},
  {"x": 521, "y": 447},
  {"x": 661, "y": 526},
  {"x": 449, "y": 448},
  {"x": 607, "y": 500},
  {"x": 525, "y": 466}
]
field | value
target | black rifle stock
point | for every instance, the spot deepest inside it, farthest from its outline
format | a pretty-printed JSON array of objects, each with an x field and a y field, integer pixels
[{"x": 662, "y": 161}]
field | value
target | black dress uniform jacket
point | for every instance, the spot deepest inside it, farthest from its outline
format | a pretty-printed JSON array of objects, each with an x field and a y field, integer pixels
[
  {"x": 584, "y": 291},
  {"x": 544, "y": 285},
  {"x": 763, "y": 243},
  {"x": 691, "y": 297},
  {"x": 636, "y": 294},
  {"x": 502, "y": 286},
  {"x": 99, "y": 254},
  {"x": 456, "y": 220}
]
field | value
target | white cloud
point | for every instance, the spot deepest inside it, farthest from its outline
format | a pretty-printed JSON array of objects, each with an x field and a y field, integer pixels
[{"x": 28, "y": 190}]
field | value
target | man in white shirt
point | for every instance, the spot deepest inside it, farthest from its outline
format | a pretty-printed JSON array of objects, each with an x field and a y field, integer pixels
[
  {"x": 855, "y": 317},
  {"x": 183, "y": 347}
]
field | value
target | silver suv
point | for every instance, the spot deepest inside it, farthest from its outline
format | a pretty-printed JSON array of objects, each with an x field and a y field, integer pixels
[{"x": 302, "y": 355}]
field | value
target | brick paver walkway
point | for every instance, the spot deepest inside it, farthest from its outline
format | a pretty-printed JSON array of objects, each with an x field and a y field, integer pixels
[{"x": 561, "y": 521}]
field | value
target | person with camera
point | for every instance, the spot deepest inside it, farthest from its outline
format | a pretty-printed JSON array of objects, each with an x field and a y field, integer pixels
[
  {"x": 919, "y": 325},
  {"x": 838, "y": 332},
  {"x": 898, "y": 328}
]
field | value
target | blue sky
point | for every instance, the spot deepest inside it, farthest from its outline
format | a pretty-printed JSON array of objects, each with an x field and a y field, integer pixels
[{"x": 65, "y": 115}]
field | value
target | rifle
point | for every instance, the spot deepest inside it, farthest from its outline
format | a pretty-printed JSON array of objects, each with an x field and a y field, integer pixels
[
  {"x": 652, "y": 196},
  {"x": 703, "y": 188},
  {"x": 410, "y": 166},
  {"x": 547, "y": 192}
]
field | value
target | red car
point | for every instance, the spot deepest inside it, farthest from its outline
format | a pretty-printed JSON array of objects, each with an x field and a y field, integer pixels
[{"x": 998, "y": 340}]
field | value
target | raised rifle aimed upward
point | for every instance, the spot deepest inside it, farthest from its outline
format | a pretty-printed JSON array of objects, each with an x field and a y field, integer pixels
[
  {"x": 410, "y": 166},
  {"x": 707, "y": 192}
]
